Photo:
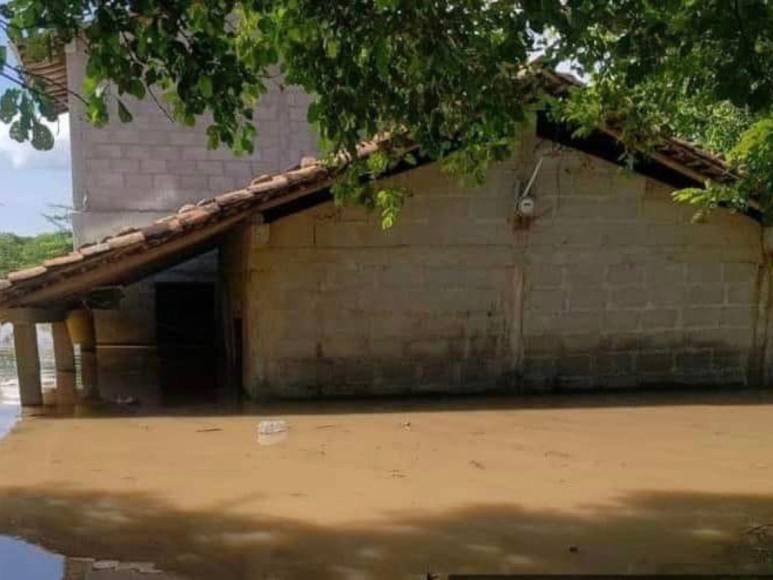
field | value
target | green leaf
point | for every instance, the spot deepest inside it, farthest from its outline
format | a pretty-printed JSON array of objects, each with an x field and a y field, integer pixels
[
  {"x": 9, "y": 105},
  {"x": 42, "y": 138},
  {"x": 332, "y": 48},
  {"x": 123, "y": 113},
  {"x": 18, "y": 132},
  {"x": 205, "y": 86}
]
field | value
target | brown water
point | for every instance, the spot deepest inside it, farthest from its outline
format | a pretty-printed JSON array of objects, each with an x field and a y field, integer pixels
[{"x": 645, "y": 483}]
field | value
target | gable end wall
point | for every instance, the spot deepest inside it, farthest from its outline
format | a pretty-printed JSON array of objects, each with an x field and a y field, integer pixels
[{"x": 611, "y": 285}]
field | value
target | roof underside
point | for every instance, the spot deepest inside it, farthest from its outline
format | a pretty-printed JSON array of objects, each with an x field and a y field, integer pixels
[
  {"x": 50, "y": 72},
  {"x": 135, "y": 253}
]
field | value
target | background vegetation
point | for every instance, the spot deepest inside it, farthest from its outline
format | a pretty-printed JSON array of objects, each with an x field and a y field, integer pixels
[{"x": 17, "y": 252}]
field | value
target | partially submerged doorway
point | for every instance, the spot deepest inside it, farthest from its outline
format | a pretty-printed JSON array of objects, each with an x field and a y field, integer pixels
[{"x": 186, "y": 330}]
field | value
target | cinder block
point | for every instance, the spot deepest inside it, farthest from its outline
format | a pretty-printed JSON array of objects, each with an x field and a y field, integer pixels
[
  {"x": 655, "y": 340},
  {"x": 153, "y": 166},
  {"x": 540, "y": 368},
  {"x": 575, "y": 365},
  {"x": 701, "y": 317},
  {"x": 660, "y": 318},
  {"x": 738, "y": 316},
  {"x": 422, "y": 348},
  {"x": 625, "y": 274},
  {"x": 741, "y": 272},
  {"x": 139, "y": 183},
  {"x": 655, "y": 362},
  {"x": 621, "y": 320},
  {"x": 699, "y": 361},
  {"x": 740, "y": 293},
  {"x": 584, "y": 274},
  {"x": 660, "y": 211},
  {"x": 552, "y": 301},
  {"x": 621, "y": 342},
  {"x": 438, "y": 277},
  {"x": 210, "y": 167},
  {"x": 618, "y": 208},
  {"x": 537, "y": 344},
  {"x": 296, "y": 348},
  {"x": 613, "y": 363},
  {"x": 664, "y": 274},
  {"x": 628, "y": 297},
  {"x": 721, "y": 338},
  {"x": 587, "y": 298},
  {"x": 586, "y": 342},
  {"x": 706, "y": 294},
  {"x": 398, "y": 373},
  {"x": 125, "y": 165},
  {"x": 578, "y": 207},
  {"x": 704, "y": 273},
  {"x": 544, "y": 276},
  {"x": 623, "y": 235},
  {"x": 343, "y": 346},
  {"x": 579, "y": 322},
  {"x": 660, "y": 295}
]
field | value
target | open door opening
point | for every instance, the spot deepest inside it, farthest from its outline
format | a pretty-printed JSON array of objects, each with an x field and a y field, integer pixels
[{"x": 186, "y": 330}]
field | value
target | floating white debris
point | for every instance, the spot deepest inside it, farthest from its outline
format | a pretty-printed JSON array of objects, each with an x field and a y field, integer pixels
[
  {"x": 272, "y": 431},
  {"x": 272, "y": 426}
]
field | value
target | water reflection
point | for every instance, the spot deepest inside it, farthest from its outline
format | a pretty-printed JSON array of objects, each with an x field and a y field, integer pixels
[{"x": 9, "y": 388}]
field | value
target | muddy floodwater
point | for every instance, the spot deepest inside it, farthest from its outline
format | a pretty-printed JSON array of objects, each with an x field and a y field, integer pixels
[{"x": 644, "y": 483}]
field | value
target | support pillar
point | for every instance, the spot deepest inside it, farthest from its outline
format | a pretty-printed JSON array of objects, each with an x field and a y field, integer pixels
[
  {"x": 81, "y": 328},
  {"x": 25, "y": 340},
  {"x": 64, "y": 357}
]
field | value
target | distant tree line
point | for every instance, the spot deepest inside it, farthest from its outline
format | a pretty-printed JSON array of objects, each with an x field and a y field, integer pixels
[{"x": 17, "y": 252}]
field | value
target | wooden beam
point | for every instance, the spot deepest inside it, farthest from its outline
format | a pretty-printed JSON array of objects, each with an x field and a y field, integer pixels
[
  {"x": 32, "y": 315},
  {"x": 25, "y": 340},
  {"x": 64, "y": 357}
]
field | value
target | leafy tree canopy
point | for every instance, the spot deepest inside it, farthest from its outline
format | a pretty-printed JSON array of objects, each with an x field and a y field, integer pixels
[
  {"x": 17, "y": 252},
  {"x": 445, "y": 72}
]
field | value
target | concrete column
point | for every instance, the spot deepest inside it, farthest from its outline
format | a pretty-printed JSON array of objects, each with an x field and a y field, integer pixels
[
  {"x": 65, "y": 364},
  {"x": 25, "y": 340},
  {"x": 81, "y": 328}
]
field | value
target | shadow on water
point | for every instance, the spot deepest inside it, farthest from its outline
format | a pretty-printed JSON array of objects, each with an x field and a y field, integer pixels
[{"x": 642, "y": 533}]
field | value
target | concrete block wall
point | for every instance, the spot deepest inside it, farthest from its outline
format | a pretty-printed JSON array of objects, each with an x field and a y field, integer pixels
[
  {"x": 335, "y": 305},
  {"x": 611, "y": 285},
  {"x": 623, "y": 288}
]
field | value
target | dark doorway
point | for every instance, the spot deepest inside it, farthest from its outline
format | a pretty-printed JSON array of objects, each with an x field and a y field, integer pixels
[{"x": 186, "y": 330}]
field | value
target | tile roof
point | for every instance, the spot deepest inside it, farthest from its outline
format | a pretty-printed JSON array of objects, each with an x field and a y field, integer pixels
[
  {"x": 133, "y": 252},
  {"x": 35, "y": 285},
  {"x": 685, "y": 157}
]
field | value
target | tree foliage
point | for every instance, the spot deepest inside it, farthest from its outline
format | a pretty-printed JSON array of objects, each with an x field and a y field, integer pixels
[
  {"x": 444, "y": 72},
  {"x": 18, "y": 252},
  {"x": 699, "y": 69}
]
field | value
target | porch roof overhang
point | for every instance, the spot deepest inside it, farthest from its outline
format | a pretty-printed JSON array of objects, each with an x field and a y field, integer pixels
[{"x": 135, "y": 253}]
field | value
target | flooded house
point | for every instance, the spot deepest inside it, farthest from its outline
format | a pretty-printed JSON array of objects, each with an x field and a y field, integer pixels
[{"x": 565, "y": 270}]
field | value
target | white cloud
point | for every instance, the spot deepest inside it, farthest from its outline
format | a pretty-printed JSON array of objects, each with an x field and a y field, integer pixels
[{"x": 24, "y": 156}]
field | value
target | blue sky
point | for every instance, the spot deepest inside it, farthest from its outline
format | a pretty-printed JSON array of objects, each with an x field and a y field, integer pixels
[{"x": 30, "y": 181}]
